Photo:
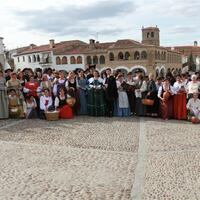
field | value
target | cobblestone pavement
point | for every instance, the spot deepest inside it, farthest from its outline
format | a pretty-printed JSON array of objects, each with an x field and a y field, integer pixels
[{"x": 99, "y": 159}]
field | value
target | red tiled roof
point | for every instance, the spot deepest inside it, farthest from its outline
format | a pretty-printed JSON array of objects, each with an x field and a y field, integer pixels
[{"x": 46, "y": 48}]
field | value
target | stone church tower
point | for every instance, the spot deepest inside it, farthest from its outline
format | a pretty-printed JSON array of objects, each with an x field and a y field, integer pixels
[
  {"x": 151, "y": 36},
  {"x": 2, "y": 55}
]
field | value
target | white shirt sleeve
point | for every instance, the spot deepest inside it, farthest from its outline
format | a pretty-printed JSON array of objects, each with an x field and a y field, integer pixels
[
  {"x": 67, "y": 84},
  {"x": 160, "y": 91},
  {"x": 42, "y": 106},
  {"x": 189, "y": 104},
  {"x": 56, "y": 103},
  {"x": 144, "y": 86}
]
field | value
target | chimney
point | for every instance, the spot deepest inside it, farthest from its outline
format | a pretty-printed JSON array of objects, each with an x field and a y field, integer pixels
[
  {"x": 52, "y": 43},
  {"x": 92, "y": 41},
  {"x": 31, "y": 46},
  {"x": 195, "y": 43}
]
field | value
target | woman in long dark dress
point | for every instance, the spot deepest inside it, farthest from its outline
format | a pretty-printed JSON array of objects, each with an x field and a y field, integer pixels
[
  {"x": 152, "y": 94},
  {"x": 96, "y": 96},
  {"x": 82, "y": 86},
  {"x": 3, "y": 98},
  {"x": 71, "y": 86}
]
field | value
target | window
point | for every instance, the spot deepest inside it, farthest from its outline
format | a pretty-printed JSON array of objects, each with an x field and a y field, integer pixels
[
  {"x": 158, "y": 55},
  {"x": 34, "y": 58},
  {"x": 152, "y": 34},
  {"x": 95, "y": 60},
  {"x": 120, "y": 56},
  {"x": 64, "y": 60},
  {"x": 29, "y": 59},
  {"x": 73, "y": 60},
  {"x": 18, "y": 59},
  {"x": 89, "y": 60},
  {"x": 58, "y": 61},
  {"x": 148, "y": 35},
  {"x": 127, "y": 56},
  {"x": 137, "y": 55},
  {"x": 144, "y": 55},
  {"x": 102, "y": 59},
  {"x": 38, "y": 58},
  {"x": 79, "y": 60},
  {"x": 23, "y": 59},
  {"x": 111, "y": 57}
]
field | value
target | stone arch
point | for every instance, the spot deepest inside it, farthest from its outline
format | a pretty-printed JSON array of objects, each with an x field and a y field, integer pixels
[
  {"x": 64, "y": 60},
  {"x": 79, "y": 60},
  {"x": 111, "y": 56},
  {"x": 89, "y": 60},
  {"x": 102, "y": 59},
  {"x": 144, "y": 69},
  {"x": 144, "y": 55},
  {"x": 123, "y": 69},
  {"x": 137, "y": 55},
  {"x": 72, "y": 60},
  {"x": 58, "y": 60},
  {"x": 120, "y": 56},
  {"x": 127, "y": 56},
  {"x": 95, "y": 60}
]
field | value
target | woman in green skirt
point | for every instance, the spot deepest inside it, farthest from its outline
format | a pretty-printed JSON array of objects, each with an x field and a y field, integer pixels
[{"x": 96, "y": 96}]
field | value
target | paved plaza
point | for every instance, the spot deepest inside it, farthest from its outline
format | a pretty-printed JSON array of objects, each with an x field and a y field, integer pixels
[{"x": 99, "y": 159}]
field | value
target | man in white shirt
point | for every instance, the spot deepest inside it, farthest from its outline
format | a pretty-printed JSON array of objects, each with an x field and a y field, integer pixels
[
  {"x": 45, "y": 103},
  {"x": 193, "y": 106}
]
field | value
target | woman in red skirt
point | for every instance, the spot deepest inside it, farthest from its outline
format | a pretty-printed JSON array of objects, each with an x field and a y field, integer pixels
[
  {"x": 165, "y": 94},
  {"x": 65, "y": 111},
  {"x": 179, "y": 101}
]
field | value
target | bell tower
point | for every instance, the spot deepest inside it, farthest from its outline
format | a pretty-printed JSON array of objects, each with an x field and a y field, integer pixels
[{"x": 151, "y": 36}]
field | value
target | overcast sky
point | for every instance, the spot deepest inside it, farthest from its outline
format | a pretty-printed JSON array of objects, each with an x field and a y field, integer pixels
[{"x": 23, "y": 22}]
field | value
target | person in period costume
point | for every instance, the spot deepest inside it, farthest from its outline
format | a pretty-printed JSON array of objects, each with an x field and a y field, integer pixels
[
  {"x": 45, "y": 103},
  {"x": 14, "y": 84},
  {"x": 96, "y": 96},
  {"x": 123, "y": 103},
  {"x": 71, "y": 86},
  {"x": 30, "y": 108},
  {"x": 31, "y": 87},
  {"x": 140, "y": 93},
  {"x": 65, "y": 111},
  {"x": 179, "y": 101},
  {"x": 165, "y": 94},
  {"x": 193, "y": 86},
  {"x": 46, "y": 83},
  {"x": 111, "y": 93},
  {"x": 82, "y": 87},
  {"x": 16, "y": 109},
  {"x": 58, "y": 83},
  {"x": 3, "y": 98},
  {"x": 152, "y": 94},
  {"x": 131, "y": 92},
  {"x": 193, "y": 106}
]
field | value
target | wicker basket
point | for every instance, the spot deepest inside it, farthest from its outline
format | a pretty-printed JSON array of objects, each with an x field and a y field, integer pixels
[
  {"x": 52, "y": 116},
  {"x": 147, "y": 102}
]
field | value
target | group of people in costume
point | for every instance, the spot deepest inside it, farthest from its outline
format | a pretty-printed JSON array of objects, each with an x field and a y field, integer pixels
[{"x": 28, "y": 94}]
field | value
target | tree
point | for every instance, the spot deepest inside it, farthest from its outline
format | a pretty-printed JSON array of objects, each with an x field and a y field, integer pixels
[{"x": 191, "y": 63}]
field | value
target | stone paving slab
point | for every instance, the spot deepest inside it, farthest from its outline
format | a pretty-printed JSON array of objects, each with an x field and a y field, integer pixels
[
  {"x": 44, "y": 172},
  {"x": 100, "y": 133},
  {"x": 174, "y": 176},
  {"x": 172, "y": 135}
]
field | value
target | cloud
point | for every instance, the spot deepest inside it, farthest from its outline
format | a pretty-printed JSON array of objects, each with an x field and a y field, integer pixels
[{"x": 76, "y": 20}]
